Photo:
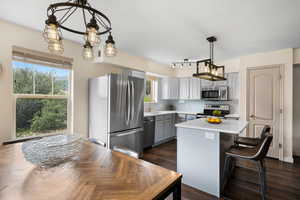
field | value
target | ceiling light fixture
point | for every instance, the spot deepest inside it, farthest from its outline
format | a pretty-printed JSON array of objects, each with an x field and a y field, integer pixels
[
  {"x": 211, "y": 72},
  {"x": 99, "y": 24},
  {"x": 185, "y": 63}
]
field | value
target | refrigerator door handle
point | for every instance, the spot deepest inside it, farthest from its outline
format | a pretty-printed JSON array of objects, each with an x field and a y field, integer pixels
[
  {"x": 132, "y": 103},
  {"x": 128, "y": 102},
  {"x": 128, "y": 132}
]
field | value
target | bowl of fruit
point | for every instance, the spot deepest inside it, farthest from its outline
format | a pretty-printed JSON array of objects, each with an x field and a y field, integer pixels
[{"x": 214, "y": 120}]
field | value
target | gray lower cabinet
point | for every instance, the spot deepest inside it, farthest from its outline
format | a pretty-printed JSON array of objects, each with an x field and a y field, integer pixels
[
  {"x": 159, "y": 131},
  {"x": 164, "y": 128}
]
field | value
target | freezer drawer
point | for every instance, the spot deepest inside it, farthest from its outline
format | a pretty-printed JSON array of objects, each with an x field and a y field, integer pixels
[{"x": 131, "y": 139}]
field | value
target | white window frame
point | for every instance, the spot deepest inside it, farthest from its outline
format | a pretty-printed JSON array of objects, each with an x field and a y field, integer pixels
[{"x": 69, "y": 98}]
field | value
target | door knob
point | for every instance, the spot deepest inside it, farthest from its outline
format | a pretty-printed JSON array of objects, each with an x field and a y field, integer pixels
[{"x": 252, "y": 116}]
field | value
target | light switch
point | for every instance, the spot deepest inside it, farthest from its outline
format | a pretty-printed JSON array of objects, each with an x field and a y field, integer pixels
[{"x": 210, "y": 136}]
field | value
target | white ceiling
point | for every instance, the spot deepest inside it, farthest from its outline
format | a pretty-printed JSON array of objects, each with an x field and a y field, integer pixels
[{"x": 169, "y": 30}]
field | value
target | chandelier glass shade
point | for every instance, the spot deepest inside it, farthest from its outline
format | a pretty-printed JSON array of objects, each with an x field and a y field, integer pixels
[
  {"x": 56, "y": 46},
  {"x": 88, "y": 53},
  {"x": 95, "y": 25},
  {"x": 110, "y": 49}
]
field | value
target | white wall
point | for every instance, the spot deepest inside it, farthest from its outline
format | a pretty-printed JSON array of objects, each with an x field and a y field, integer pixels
[
  {"x": 296, "y": 118},
  {"x": 12, "y": 34},
  {"x": 283, "y": 57}
]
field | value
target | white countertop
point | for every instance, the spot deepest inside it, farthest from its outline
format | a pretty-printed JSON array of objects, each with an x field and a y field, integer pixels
[
  {"x": 233, "y": 116},
  {"x": 227, "y": 126},
  {"x": 156, "y": 113}
]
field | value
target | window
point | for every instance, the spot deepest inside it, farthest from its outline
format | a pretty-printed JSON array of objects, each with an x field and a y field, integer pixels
[
  {"x": 42, "y": 97},
  {"x": 151, "y": 90}
]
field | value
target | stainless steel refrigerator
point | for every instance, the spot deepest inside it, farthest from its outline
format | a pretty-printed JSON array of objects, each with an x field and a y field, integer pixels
[{"x": 116, "y": 109}]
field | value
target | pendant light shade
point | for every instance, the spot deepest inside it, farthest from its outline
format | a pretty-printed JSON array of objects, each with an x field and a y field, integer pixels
[
  {"x": 56, "y": 46},
  {"x": 51, "y": 31},
  {"x": 110, "y": 49},
  {"x": 88, "y": 53},
  {"x": 92, "y": 35}
]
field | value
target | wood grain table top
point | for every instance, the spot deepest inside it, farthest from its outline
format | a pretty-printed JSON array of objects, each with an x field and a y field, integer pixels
[{"x": 98, "y": 173}]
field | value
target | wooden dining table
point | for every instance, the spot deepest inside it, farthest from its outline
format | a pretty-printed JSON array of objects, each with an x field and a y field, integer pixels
[{"x": 96, "y": 173}]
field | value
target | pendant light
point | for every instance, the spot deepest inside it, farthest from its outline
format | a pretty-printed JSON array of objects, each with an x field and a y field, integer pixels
[
  {"x": 92, "y": 32},
  {"x": 110, "y": 49},
  {"x": 211, "y": 72},
  {"x": 88, "y": 53},
  {"x": 51, "y": 31},
  {"x": 99, "y": 24}
]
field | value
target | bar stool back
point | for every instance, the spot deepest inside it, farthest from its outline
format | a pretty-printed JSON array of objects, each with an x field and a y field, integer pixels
[{"x": 253, "y": 141}]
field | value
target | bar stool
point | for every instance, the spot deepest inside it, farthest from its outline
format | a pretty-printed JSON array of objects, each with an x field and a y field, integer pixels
[
  {"x": 253, "y": 141},
  {"x": 126, "y": 151},
  {"x": 255, "y": 154}
]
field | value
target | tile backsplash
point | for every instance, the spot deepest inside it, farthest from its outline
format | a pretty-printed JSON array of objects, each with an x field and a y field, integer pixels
[
  {"x": 195, "y": 106},
  {"x": 189, "y": 105}
]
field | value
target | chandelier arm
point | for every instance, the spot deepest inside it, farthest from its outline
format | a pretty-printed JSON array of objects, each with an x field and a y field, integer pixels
[
  {"x": 52, "y": 8},
  {"x": 62, "y": 9},
  {"x": 62, "y": 19},
  {"x": 102, "y": 23},
  {"x": 68, "y": 16},
  {"x": 99, "y": 20}
]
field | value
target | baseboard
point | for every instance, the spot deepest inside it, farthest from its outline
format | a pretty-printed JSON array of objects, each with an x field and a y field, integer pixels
[{"x": 288, "y": 159}]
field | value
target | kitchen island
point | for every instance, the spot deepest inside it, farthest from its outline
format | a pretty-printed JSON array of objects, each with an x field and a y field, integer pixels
[{"x": 200, "y": 151}]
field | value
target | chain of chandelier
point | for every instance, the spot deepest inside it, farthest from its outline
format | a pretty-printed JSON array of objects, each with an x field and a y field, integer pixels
[{"x": 98, "y": 24}]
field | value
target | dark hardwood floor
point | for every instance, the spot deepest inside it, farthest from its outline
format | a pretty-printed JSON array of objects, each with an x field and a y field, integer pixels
[{"x": 283, "y": 179}]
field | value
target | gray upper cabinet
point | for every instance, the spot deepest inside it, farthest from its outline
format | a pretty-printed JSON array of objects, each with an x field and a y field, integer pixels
[
  {"x": 184, "y": 88},
  {"x": 206, "y": 84},
  {"x": 189, "y": 88},
  {"x": 195, "y": 88},
  {"x": 169, "y": 88}
]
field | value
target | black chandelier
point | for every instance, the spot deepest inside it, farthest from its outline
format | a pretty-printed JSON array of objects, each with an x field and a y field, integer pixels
[
  {"x": 99, "y": 24},
  {"x": 211, "y": 71}
]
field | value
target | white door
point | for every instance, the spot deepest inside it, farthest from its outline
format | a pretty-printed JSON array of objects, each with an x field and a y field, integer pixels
[{"x": 264, "y": 104}]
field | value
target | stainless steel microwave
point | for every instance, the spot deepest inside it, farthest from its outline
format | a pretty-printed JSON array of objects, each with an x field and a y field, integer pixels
[{"x": 215, "y": 94}]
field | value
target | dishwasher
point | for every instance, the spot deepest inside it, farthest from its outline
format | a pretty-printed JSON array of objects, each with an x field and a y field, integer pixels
[{"x": 149, "y": 131}]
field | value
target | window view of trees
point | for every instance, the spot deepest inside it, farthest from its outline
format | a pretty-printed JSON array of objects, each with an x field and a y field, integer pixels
[
  {"x": 36, "y": 113},
  {"x": 150, "y": 91}
]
